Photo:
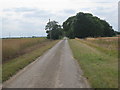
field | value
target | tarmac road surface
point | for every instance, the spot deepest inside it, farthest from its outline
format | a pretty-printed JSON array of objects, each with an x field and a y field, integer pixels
[{"x": 55, "y": 69}]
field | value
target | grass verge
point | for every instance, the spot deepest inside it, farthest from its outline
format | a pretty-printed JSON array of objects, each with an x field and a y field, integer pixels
[
  {"x": 13, "y": 66},
  {"x": 100, "y": 69}
]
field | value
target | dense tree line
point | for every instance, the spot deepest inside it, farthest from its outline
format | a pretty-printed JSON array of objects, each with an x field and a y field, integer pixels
[
  {"x": 86, "y": 25},
  {"x": 53, "y": 30},
  {"x": 117, "y": 32}
]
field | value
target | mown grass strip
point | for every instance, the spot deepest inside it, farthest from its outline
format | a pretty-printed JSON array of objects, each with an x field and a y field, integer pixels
[
  {"x": 110, "y": 52},
  {"x": 13, "y": 66},
  {"x": 100, "y": 69}
]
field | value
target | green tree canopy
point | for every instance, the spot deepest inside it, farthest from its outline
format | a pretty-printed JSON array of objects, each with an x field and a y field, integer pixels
[
  {"x": 54, "y": 30},
  {"x": 86, "y": 25}
]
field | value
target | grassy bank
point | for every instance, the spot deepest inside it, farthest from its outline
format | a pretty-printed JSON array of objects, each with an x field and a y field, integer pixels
[
  {"x": 12, "y": 66},
  {"x": 99, "y": 68}
]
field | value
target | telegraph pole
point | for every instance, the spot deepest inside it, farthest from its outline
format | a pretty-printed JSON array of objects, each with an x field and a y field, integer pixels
[{"x": 50, "y": 30}]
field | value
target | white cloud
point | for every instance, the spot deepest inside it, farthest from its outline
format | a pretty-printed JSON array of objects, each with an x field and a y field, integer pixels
[
  {"x": 119, "y": 16},
  {"x": 29, "y": 17}
]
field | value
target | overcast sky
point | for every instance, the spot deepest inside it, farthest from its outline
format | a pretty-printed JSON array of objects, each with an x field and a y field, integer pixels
[{"x": 29, "y": 17}]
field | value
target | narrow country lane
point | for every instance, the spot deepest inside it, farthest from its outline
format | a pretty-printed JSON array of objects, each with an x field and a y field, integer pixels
[{"x": 55, "y": 69}]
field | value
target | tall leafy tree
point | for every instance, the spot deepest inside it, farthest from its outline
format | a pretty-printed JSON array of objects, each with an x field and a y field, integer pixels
[
  {"x": 68, "y": 27},
  {"x": 54, "y": 30},
  {"x": 86, "y": 25}
]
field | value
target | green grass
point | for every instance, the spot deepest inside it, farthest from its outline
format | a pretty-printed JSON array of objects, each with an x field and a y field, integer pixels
[
  {"x": 13, "y": 66},
  {"x": 100, "y": 68},
  {"x": 0, "y": 74}
]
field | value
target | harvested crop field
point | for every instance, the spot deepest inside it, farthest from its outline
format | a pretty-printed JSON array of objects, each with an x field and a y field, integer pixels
[
  {"x": 108, "y": 45},
  {"x": 12, "y": 48}
]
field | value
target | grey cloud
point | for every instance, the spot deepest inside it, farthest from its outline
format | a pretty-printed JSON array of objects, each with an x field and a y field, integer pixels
[
  {"x": 38, "y": 14},
  {"x": 69, "y": 11},
  {"x": 119, "y": 16},
  {"x": 7, "y": 10},
  {"x": 23, "y": 28},
  {"x": 22, "y": 9}
]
